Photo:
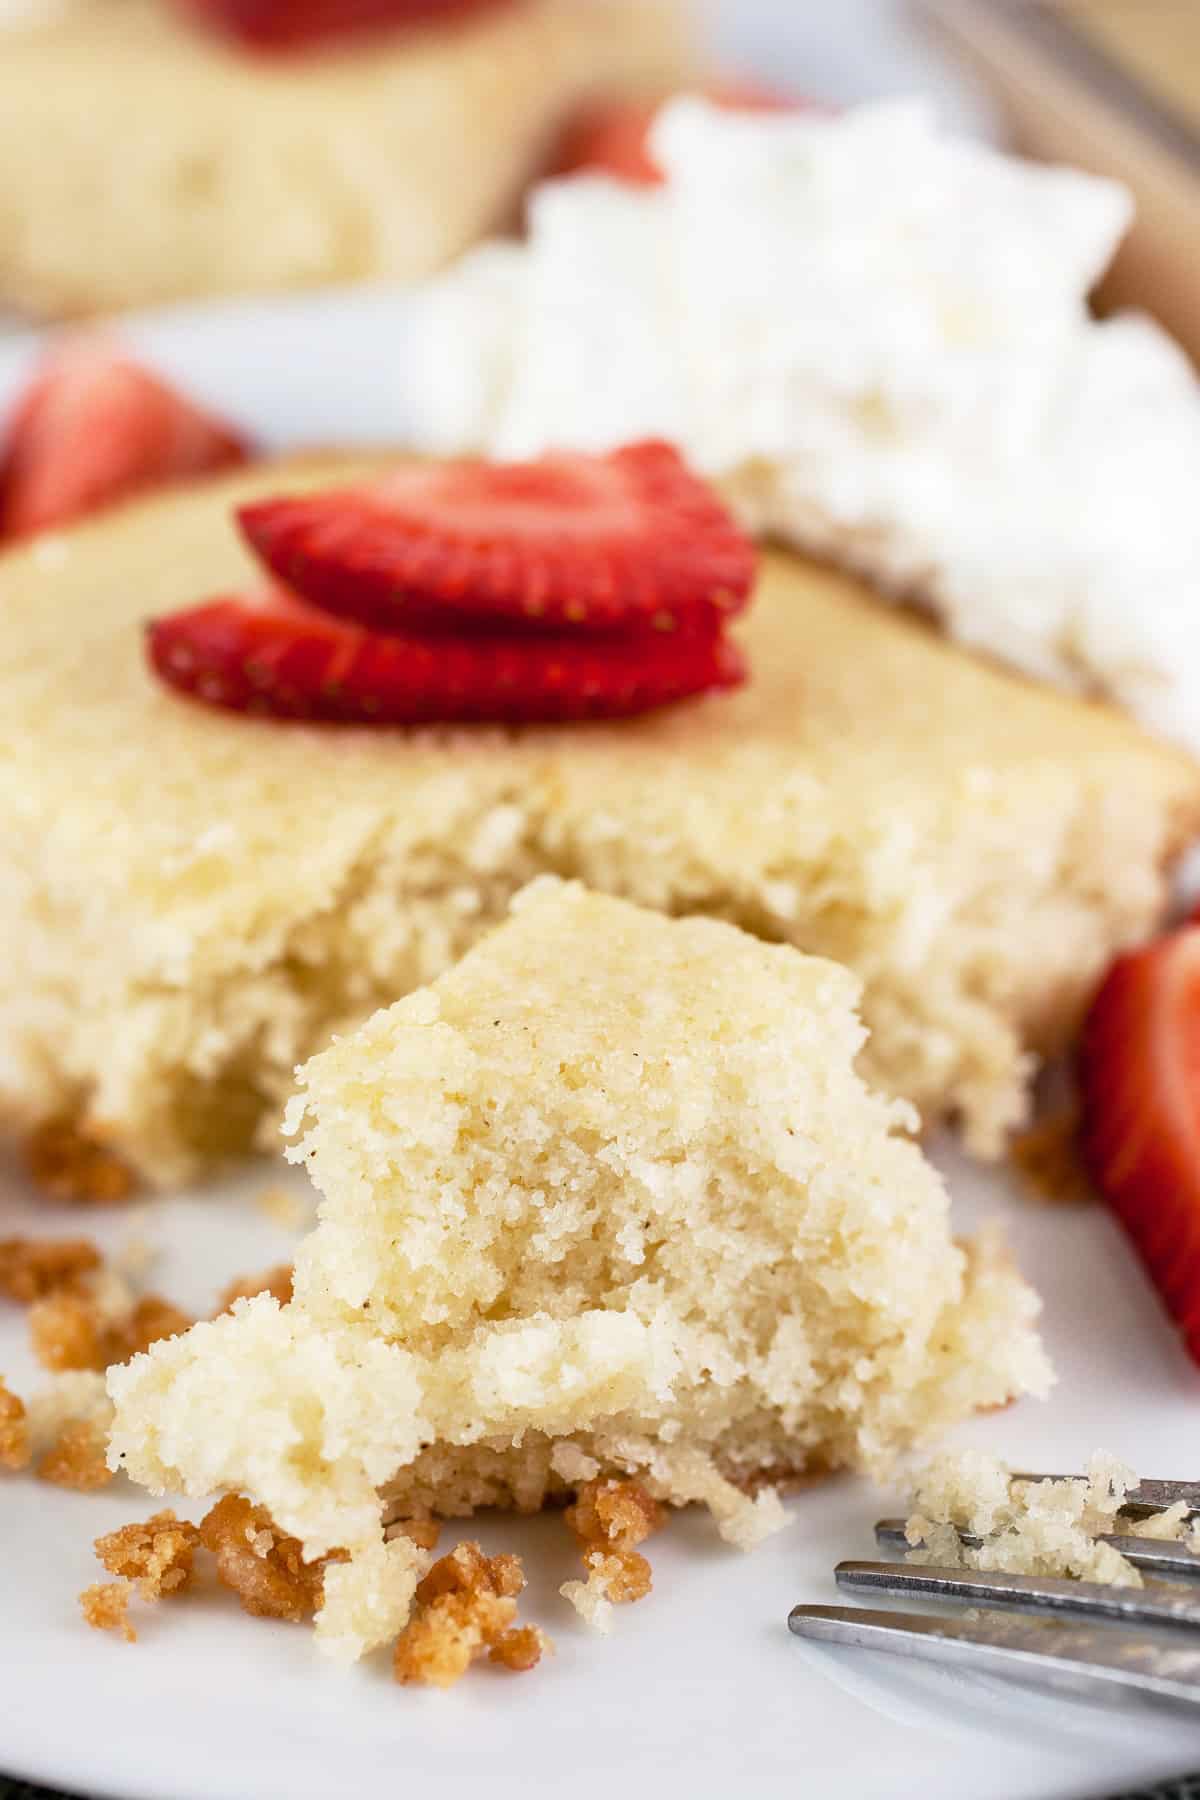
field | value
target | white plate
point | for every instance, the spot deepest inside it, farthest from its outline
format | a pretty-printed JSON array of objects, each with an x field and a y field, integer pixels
[{"x": 701, "y": 1689}]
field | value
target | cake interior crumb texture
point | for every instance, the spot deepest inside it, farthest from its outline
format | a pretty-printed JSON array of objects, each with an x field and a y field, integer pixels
[
  {"x": 183, "y": 165},
  {"x": 609, "y": 1197},
  {"x": 1050, "y": 1527},
  {"x": 192, "y": 901}
]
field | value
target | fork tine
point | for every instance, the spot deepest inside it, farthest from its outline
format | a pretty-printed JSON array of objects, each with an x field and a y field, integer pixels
[
  {"x": 1157, "y": 1605},
  {"x": 1157, "y": 1558},
  {"x": 1146, "y": 1497},
  {"x": 1068, "y": 1656},
  {"x": 1151, "y": 1554}
]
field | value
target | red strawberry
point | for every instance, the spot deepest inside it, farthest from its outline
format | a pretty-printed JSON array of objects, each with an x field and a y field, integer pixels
[
  {"x": 293, "y": 24},
  {"x": 272, "y": 653},
  {"x": 594, "y": 542},
  {"x": 93, "y": 427},
  {"x": 1140, "y": 1067},
  {"x": 613, "y": 137}
]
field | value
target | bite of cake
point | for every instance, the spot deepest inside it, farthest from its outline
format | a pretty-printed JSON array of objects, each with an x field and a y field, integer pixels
[{"x": 609, "y": 1197}]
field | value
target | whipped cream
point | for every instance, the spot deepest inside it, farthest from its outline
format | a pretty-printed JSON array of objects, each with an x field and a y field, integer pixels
[{"x": 877, "y": 339}]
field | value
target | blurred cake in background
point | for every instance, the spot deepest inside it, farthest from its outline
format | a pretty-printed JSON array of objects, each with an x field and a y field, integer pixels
[{"x": 151, "y": 152}]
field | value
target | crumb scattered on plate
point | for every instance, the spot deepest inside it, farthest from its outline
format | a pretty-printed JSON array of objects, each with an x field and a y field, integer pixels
[
  {"x": 66, "y": 1164},
  {"x": 157, "y": 1553},
  {"x": 14, "y": 1430},
  {"x": 283, "y": 1206},
  {"x": 276, "y": 1281},
  {"x": 1031, "y": 1527},
  {"x": 467, "y": 1608},
  {"x": 31, "y": 1268},
  {"x": 1046, "y": 1158},
  {"x": 77, "y": 1458},
  {"x": 70, "y": 1331},
  {"x": 609, "y": 1518},
  {"x": 105, "y": 1606}
]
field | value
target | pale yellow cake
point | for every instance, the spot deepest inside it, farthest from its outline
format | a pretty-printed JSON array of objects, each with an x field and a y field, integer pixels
[
  {"x": 191, "y": 901},
  {"x": 143, "y": 159},
  {"x": 609, "y": 1196},
  {"x": 1056, "y": 1526}
]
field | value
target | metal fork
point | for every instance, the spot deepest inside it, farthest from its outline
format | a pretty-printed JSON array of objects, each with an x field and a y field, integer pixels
[{"x": 1084, "y": 1638}]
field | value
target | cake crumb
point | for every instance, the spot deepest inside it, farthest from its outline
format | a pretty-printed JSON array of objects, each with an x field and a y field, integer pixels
[
  {"x": 284, "y": 1207},
  {"x": 15, "y": 1447},
  {"x": 76, "y": 1395},
  {"x": 67, "y": 1165},
  {"x": 520, "y": 1649},
  {"x": 105, "y": 1606},
  {"x": 1046, "y": 1157},
  {"x": 77, "y": 1458},
  {"x": 68, "y": 1330},
  {"x": 467, "y": 1608},
  {"x": 32, "y": 1268},
  {"x": 617, "y": 1513},
  {"x": 615, "y": 1578},
  {"x": 368, "y": 1600},
  {"x": 277, "y": 1282},
  {"x": 621, "y": 1576},
  {"x": 467, "y": 1570},
  {"x": 438, "y": 1647},
  {"x": 1030, "y": 1527},
  {"x": 158, "y": 1554},
  {"x": 609, "y": 1518},
  {"x": 263, "y": 1566},
  {"x": 65, "y": 1333},
  {"x": 424, "y": 1533},
  {"x": 137, "y": 1253},
  {"x": 591, "y": 1603},
  {"x": 151, "y": 1320}
]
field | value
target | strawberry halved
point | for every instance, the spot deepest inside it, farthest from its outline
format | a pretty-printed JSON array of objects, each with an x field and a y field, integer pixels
[
  {"x": 272, "y": 653},
  {"x": 93, "y": 427},
  {"x": 1140, "y": 1075},
  {"x": 613, "y": 137},
  {"x": 597, "y": 543},
  {"x": 294, "y": 24}
]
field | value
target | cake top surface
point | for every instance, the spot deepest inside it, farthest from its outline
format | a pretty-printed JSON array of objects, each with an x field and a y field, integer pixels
[
  {"x": 613, "y": 1179},
  {"x": 857, "y": 726},
  {"x": 588, "y": 1082},
  {"x": 878, "y": 337}
]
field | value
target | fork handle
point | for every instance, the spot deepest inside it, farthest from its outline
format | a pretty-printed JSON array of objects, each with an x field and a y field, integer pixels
[{"x": 1098, "y": 1664}]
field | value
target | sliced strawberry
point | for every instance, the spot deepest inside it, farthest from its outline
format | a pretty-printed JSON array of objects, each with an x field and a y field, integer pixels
[
  {"x": 1140, "y": 1071},
  {"x": 294, "y": 24},
  {"x": 272, "y": 653},
  {"x": 93, "y": 427},
  {"x": 594, "y": 542},
  {"x": 613, "y": 137}
]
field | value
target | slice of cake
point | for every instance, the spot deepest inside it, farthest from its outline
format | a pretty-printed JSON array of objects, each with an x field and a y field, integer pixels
[
  {"x": 610, "y": 1196},
  {"x": 191, "y": 901},
  {"x": 145, "y": 159}
]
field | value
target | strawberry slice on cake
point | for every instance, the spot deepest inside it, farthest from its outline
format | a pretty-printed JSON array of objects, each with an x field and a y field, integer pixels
[
  {"x": 593, "y": 543},
  {"x": 93, "y": 427},
  {"x": 296, "y": 24},
  {"x": 271, "y": 653},
  {"x": 1140, "y": 1066}
]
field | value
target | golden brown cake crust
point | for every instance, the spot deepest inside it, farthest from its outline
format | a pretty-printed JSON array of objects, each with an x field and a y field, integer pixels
[{"x": 195, "y": 900}]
